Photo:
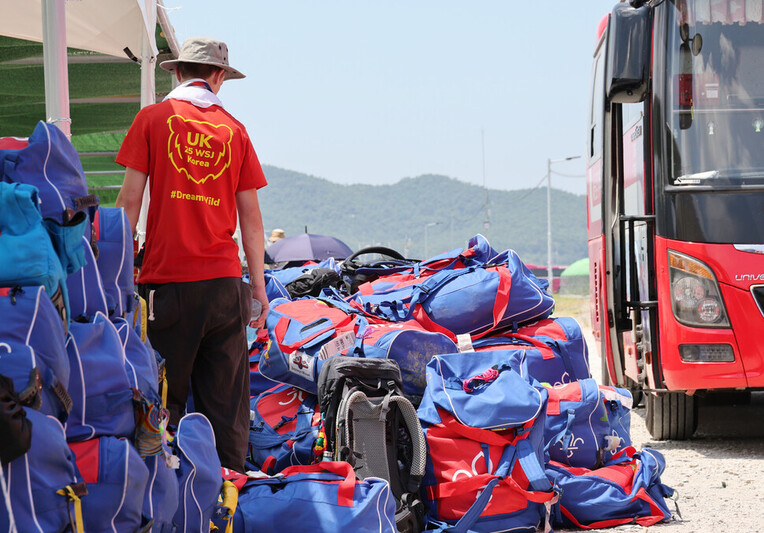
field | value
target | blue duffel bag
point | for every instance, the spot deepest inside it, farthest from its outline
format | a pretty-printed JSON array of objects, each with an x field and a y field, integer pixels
[
  {"x": 321, "y": 497},
  {"x": 284, "y": 428},
  {"x": 472, "y": 300},
  {"x": 587, "y": 424}
]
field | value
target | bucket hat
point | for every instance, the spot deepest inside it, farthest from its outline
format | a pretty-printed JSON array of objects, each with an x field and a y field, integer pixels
[
  {"x": 204, "y": 50},
  {"x": 276, "y": 235}
]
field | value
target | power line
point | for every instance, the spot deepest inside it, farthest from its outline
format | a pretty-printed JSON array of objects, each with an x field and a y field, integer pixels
[{"x": 541, "y": 181}]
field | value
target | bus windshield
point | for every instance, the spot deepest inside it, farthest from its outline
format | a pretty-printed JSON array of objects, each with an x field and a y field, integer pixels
[{"x": 715, "y": 92}]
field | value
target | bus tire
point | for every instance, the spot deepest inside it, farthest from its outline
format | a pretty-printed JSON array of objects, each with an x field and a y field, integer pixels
[{"x": 673, "y": 416}]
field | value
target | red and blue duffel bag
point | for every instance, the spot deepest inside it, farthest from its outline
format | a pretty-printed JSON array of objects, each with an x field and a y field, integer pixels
[
  {"x": 587, "y": 424},
  {"x": 116, "y": 479},
  {"x": 629, "y": 491},
  {"x": 284, "y": 429},
  {"x": 562, "y": 355},
  {"x": 326, "y": 496},
  {"x": 473, "y": 300},
  {"x": 484, "y": 426},
  {"x": 305, "y": 332},
  {"x": 44, "y": 487}
]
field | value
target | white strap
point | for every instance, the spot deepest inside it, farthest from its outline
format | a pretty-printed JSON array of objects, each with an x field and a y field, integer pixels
[{"x": 7, "y": 498}]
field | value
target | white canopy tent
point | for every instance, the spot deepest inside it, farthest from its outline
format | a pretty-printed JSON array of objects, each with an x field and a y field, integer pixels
[
  {"x": 119, "y": 28},
  {"x": 123, "y": 29}
]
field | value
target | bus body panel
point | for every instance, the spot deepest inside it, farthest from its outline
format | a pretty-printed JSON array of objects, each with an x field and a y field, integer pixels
[{"x": 747, "y": 370}]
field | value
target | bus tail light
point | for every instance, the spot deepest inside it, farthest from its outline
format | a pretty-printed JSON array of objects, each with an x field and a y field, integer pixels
[
  {"x": 695, "y": 296},
  {"x": 707, "y": 353}
]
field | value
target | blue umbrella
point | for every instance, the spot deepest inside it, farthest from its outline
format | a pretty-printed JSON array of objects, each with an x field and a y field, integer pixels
[{"x": 306, "y": 247}]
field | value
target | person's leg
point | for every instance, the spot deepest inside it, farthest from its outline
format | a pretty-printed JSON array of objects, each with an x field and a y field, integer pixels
[
  {"x": 220, "y": 378},
  {"x": 174, "y": 331}
]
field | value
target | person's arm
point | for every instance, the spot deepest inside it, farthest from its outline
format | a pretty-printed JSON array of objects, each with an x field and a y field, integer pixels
[
  {"x": 251, "y": 224},
  {"x": 131, "y": 195}
]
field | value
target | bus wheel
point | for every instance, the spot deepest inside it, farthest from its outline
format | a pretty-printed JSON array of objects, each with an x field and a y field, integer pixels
[
  {"x": 635, "y": 390},
  {"x": 673, "y": 416}
]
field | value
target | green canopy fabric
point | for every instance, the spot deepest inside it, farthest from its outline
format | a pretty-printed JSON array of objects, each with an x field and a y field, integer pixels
[
  {"x": 104, "y": 91},
  {"x": 579, "y": 268}
]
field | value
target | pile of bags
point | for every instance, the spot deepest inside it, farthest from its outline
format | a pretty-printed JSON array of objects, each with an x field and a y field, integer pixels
[
  {"x": 392, "y": 395},
  {"x": 518, "y": 435},
  {"x": 83, "y": 441}
]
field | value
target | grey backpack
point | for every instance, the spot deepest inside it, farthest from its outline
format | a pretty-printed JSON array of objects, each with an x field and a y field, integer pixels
[{"x": 369, "y": 423}]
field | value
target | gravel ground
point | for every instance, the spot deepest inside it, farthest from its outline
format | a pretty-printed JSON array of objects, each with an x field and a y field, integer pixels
[{"x": 717, "y": 474}]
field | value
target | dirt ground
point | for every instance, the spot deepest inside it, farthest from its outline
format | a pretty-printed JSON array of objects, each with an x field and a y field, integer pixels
[{"x": 717, "y": 474}]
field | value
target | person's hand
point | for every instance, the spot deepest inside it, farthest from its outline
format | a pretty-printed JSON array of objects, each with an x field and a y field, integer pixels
[{"x": 258, "y": 293}]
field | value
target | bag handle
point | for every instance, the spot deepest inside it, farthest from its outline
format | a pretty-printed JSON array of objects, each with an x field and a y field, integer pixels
[
  {"x": 500, "y": 304},
  {"x": 283, "y": 325},
  {"x": 340, "y": 468},
  {"x": 485, "y": 436}
]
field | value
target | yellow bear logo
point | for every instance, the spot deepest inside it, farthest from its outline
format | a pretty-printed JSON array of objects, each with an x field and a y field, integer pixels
[{"x": 200, "y": 150}]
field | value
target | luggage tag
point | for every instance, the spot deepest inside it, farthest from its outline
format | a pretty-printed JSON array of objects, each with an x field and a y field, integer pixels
[{"x": 337, "y": 346}]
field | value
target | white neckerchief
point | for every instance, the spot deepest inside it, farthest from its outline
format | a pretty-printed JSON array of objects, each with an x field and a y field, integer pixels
[{"x": 199, "y": 96}]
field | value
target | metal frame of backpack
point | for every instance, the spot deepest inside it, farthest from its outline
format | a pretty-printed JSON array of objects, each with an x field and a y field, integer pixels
[{"x": 357, "y": 391}]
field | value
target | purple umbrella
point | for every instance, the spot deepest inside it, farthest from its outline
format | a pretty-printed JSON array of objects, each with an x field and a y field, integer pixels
[{"x": 306, "y": 247}]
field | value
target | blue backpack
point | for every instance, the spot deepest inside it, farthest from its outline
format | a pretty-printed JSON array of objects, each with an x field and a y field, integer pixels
[
  {"x": 111, "y": 232},
  {"x": 160, "y": 500},
  {"x": 27, "y": 255},
  {"x": 484, "y": 426},
  {"x": 284, "y": 429},
  {"x": 587, "y": 424},
  {"x": 85, "y": 289},
  {"x": 50, "y": 163},
  {"x": 116, "y": 479},
  {"x": 44, "y": 484},
  {"x": 101, "y": 392},
  {"x": 199, "y": 474},
  {"x": 31, "y": 330}
]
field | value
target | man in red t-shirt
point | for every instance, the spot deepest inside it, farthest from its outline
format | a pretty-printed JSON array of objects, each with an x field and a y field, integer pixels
[{"x": 202, "y": 171}]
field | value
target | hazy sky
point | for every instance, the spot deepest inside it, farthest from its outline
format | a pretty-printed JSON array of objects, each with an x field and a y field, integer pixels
[{"x": 360, "y": 91}]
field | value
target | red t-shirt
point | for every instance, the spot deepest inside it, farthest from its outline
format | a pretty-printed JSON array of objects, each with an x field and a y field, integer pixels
[{"x": 197, "y": 160}]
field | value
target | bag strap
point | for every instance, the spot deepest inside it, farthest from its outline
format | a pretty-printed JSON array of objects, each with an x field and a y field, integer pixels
[
  {"x": 656, "y": 515},
  {"x": 7, "y": 499},
  {"x": 346, "y": 486},
  {"x": 485, "y": 436}
]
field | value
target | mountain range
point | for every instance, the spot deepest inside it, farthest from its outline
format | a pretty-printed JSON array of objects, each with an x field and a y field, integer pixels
[{"x": 426, "y": 215}]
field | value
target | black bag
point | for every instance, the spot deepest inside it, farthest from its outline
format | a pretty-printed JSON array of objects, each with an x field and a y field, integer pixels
[
  {"x": 356, "y": 272},
  {"x": 15, "y": 428},
  {"x": 371, "y": 425},
  {"x": 312, "y": 282}
]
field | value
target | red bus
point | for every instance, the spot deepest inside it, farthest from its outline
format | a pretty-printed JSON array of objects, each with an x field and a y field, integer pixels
[{"x": 675, "y": 203}]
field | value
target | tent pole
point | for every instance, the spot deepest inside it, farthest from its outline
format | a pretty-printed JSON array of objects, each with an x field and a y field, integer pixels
[
  {"x": 148, "y": 97},
  {"x": 55, "y": 64}
]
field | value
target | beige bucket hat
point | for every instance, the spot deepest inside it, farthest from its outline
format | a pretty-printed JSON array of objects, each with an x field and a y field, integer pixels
[
  {"x": 207, "y": 51},
  {"x": 276, "y": 235}
]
